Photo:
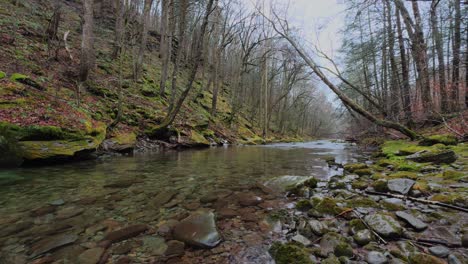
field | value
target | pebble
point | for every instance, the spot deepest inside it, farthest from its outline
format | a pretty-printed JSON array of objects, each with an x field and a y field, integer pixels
[{"x": 302, "y": 240}]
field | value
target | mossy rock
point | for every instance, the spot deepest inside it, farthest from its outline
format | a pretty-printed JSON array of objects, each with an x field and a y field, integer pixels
[
  {"x": 2, "y": 75},
  {"x": 356, "y": 225},
  {"x": 352, "y": 167},
  {"x": 17, "y": 77},
  {"x": 311, "y": 183},
  {"x": 447, "y": 140},
  {"x": 436, "y": 156},
  {"x": 332, "y": 259},
  {"x": 343, "y": 249},
  {"x": 198, "y": 139},
  {"x": 404, "y": 174},
  {"x": 289, "y": 253},
  {"x": 327, "y": 206},
  {"x": 360, "y": 185},
  {"x": 11, "y": 153},
  {"x": 303, "y": 205},
  {"x": 380, "y": 186},
  {"x": 451, "y": 198},
  {"x": 391, "y": 206},
  {"x": 421, "y": 258},
  {"x": 453, "y": 175},
  {"x": 361, "y": 202},
  {"x": 363, "y": 172}
]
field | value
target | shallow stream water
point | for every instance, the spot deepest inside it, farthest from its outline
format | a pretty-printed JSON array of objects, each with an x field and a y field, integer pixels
[{"x": 185, "y": 175}]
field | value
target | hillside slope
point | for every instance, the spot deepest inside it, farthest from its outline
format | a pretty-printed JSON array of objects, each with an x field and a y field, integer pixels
[{"x": 43, "y": 117}]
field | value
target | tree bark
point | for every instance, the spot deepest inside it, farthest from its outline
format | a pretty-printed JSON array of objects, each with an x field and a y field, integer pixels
[
  {"x": 165, "y": 45},
  {"x": 119, "y": 27},
  {"x": 440, "y": 56},
  {"x": 87, "y": 50},
  {"x": 456, "y": 59},
  {"x": 405, "y": 89},
  {"x": 143, "y": 39}
]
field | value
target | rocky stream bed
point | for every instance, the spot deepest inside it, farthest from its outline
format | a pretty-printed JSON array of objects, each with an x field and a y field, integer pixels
[{"x": 353, "y": 209}]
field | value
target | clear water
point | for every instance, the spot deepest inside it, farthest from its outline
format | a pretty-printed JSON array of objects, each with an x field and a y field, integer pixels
[{"x": 192, "y": 174}]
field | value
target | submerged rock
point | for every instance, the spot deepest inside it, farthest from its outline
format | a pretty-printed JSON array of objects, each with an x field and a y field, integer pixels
[
  {"x": 91, "y": 256},
  {"x": 248, "y": 199},
  {"x": 125, "y": 233},
  {"x": 283, "y": 183},
  {"x": 199, "y": 229},
  {"x": 417, "y": 224},
  {"x": 402, "y": 186},
  {"x": 50, "y": 243},
  {"x": 384, "y": 225}
]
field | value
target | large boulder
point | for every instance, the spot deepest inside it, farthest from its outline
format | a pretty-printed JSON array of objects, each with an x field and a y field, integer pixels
[
  {"x": 198, "y": 229},
  {"x": 436, "y": 156}
]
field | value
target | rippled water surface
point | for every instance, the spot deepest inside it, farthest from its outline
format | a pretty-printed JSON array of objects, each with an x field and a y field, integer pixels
[{"x": 191, "y": 174}]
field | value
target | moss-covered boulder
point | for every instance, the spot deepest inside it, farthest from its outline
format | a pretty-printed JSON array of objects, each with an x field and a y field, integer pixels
[
  {"x": 2, "y": 75},
  {"x": 439, "y": 139},
  {"x": 352, "y": 167},
  {"x": 380, "y": 185},
  {"x": 303, "y": 205},
  {"x": 438, "y": 156},
  {"x": 121, "y": 142},
  {"x": 384, "y": 225},
  {"x": 49, "y": 143},
  {"x": 289, "y": 253}
]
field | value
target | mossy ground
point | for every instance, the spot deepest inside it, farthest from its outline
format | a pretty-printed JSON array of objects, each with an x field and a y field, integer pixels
[{"x": 143, "y": 108}]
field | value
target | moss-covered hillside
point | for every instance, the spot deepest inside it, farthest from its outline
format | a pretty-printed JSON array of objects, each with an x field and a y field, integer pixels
[{"x": 39, "y": 93}]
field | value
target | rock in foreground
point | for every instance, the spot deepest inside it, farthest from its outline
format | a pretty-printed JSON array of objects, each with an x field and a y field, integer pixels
[{"x": 199, "y": 229}]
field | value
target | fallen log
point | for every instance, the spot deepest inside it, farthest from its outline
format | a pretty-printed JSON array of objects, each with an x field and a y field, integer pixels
[{"x": 454, "y": 207}]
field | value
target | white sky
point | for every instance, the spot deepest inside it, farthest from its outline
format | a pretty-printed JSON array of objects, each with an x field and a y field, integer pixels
[{"x": 319, "y": 23}]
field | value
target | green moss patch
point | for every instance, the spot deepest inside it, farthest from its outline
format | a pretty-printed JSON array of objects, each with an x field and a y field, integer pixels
[
  {"x": 289, "y": 253},
  {"x": 352, "y": 167},
  {"x": 439, "y": 139},
  {"x": 2, "y": 75}
]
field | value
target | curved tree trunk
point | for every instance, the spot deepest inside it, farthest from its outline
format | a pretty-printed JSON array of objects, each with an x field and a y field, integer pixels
[{"x": 343, "y": 97}]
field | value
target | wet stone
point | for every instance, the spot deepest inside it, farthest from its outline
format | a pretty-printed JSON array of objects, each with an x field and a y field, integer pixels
[
  {"x": 91, "y": 256},
  {"x": 452, "y": 259},
  {"x": 57, "y": 202},
  {"x": 15, "y": 228},
  {"x": 43, "y": 210},
  {"x": 384, "y": 225},
  {"x": 414, "y": 222},
  {"x": 125, "y": 233},
  {"x": 248, "y": 199},
  {"x": 440, "y": 233},
  {"x": 375, "y": 257},
  {"x": 154, "y": 245},
  {"x": 439, "y": 251},
  {"x": 123, "y": 248},
  {"x": 464, "y": 240},
  {"x": 302, "y": 240},
  {"x": 363, "y": 237},
  {"x": 318, "y": 227},
  {"x": 199, "y": 229},
  {"x": 163, "y": 198},
  {"x": 401, "y": 186},
  {"x": 50, "y": 243},
  {"x": 69, "y": 212},
  {"x": 209, "y": 198}
]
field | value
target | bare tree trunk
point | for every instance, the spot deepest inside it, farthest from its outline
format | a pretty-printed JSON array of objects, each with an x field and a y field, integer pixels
[
  {"x": 87, "y": 50},
  {"x": 456, "y": 59},
  {"x": 341, "y": 95},
  {"x": 405, "y": 89},
  {"x": 395, "y": 103},
  {"x": 165, "y": 45},
  {"x": 119, "y": 27},
  {"x": 183, "y": 6},
  {"x": 419, "y": 50},
  {"x": 143, "y": 40},
  {"x": 193, "y": 71},
  {"x": 440, "y": 56}
]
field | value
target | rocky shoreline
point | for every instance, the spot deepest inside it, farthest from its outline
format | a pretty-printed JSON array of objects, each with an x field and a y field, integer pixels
[{"x": 288, "y": 219}]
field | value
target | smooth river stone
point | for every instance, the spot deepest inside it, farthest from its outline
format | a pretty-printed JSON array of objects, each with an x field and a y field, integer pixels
[
  {"x": 199, "y": 229},
  {"x": 411, "y": 220},
  {"x": 50, "y": 243},
  {"x": 280, "y": 184},
  {"x": 91, "y": 256},
  {"x": 125, "y": 233}
]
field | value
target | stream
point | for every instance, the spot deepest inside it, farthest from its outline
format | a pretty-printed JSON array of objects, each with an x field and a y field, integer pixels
[{"x": 89, "y": 199}]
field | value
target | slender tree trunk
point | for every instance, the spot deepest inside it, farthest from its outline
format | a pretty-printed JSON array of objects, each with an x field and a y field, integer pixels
[
  {"x": 183, "y": 5},
  {"x": 456, "y": 59},
  {"x": 119, "y": 27},
  {"x": 193, "y": 71},
  {"x": 395, "y": 104},
  {"x": 87, "y": 41},
  {"x": 165, "y": 45},
  {"x": 143, "y": 40},
  {"x": 440, "y": 56},
  {"x": 405, "y": 89}
]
